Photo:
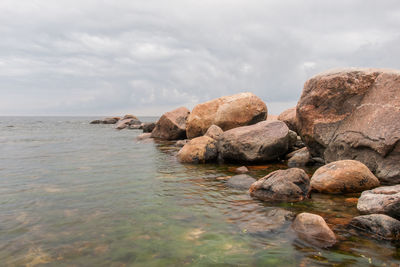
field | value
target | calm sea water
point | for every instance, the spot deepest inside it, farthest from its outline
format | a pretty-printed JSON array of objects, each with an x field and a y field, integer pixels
[{"x": 75, "y": 194}]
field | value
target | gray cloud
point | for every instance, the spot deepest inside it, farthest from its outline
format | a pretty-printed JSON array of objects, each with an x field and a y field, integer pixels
[{"x": 146, "y": 57}]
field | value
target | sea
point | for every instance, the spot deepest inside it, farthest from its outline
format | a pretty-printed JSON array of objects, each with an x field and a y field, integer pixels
[{"x": 76, "y": 194}]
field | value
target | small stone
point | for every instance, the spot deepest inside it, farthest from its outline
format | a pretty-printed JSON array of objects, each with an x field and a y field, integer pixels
[
  {"x": 241, "y": 181},
  {"x": 242, "y": 170}
]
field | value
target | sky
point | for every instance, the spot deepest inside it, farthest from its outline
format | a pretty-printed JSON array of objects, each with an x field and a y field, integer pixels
[{"x": 86, "y": 57}]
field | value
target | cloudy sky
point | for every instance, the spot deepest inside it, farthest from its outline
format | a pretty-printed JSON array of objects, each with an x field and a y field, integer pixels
[{"x": 87, "y": 57}]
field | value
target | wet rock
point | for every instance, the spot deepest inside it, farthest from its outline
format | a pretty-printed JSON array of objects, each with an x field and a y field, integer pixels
[
  {"x": 345, "y": 176},
  {"x": 214, "y": 132},
  {"x": 380, "y": 226},
  {"x": 172, "y": 125},
  {"x": 241, "y": 181},
  {"x": 181, "y": 143},
  {"x": 267, "y": 140},
  {"x": 300, "y": 157},
  {"x": 148, "y": 127},
  {"x": 274, "y": 221},
  {"x": 198, "y": 150},
  {"x": 354, "y": 114},
  {"x": 313, "y": 229},
  {"x": 291, "y": 185},
  {"x": 289, "y": 117},
  {"x": 242, "y": 170},
  {"x": 383, "y": 200},
  {"x": 227, "y": 112},
  {"x": 96, "y": 122},
  {"x": 143, "y": 136}
]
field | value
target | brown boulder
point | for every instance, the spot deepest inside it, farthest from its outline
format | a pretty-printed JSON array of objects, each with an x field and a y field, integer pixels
[
  {"x": 198, "y": 150},
  {"x": 214, "y": 132},
  {"x": 172, "y": 125},
  {"x": 129, "y": 116},
  {"x": 354, "y": 114},
  {"x": 289, "y": 117},
  {"x": 290, "y": 185},
  {"x": 313, "y": 229},
  {"x": 227, "y": 112},
  {"x": 383, "y": 200},
  {"x": 122, "y": 124},
  {"x": 345, "y": 176},
  {"x": 266, "y": 140}
]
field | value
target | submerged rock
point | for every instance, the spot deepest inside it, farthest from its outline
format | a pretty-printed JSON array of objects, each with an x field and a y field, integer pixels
[
  {"x": 241, "y": 181},
  {"x": 345, "y": 176},
  {"x": 172, "y": 125},
  {"x": 227, "y": 112},
  {"x": 267, "y": 140},
  {"x": 214, "y": 132},
  {"x": 148, "y": 127},
  {"x": 378, "y": 225},
  {"x": 289, "y": 117},
  {"x": 313, "y": 229},
  {"x": 291, "y": 185},
  {"x": 198, "y": 150},
  {"x": 383, "y": 200},
  {"x": 354, "y": 114},
  {"x": 273, "y": 221}
]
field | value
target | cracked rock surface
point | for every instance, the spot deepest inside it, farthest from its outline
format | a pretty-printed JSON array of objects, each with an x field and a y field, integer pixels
[{"x": 354, "y": 114}]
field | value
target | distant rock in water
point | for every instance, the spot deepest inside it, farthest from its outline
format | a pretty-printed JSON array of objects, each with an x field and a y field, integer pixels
[
  {"x": 172, "y": 125},
  {"x": 111, "y": 120},
  {"x": 382, "y": 200},
  {"x": 264, "y": 141},
  {"x": 313, "y": 229},
  {"x": 354, "y": 114},
  {"x": 148, "y": 127},
  {"x": 127, "y": 122},
  {"x": 291, "y": 185},
  {"x": 344, "y": 176},
  {"x": 227, "y": 112}
]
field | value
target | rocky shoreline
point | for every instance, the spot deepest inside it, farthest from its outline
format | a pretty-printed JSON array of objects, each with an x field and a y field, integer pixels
[{"x": 346, "y": 123}]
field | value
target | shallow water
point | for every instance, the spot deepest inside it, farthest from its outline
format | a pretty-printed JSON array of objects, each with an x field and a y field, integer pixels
[{"x": 75, "y": 194}]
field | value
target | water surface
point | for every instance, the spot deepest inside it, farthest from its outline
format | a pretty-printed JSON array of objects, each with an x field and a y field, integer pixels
[{"x": 75, "y": 194}]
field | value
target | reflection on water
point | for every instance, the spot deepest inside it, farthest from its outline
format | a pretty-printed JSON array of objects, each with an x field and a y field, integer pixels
[{"x": 74, "y": 194}]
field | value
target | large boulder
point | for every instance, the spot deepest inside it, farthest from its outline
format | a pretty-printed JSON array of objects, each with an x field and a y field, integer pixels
[
  {"x": 172, "y": 125},
  {"x": 266, "y": 140},
  {"x": 227, "y": 112},
  {"x": 385, "y": 200},
  {"x": 378, "y": 225},
  {"x": 199, "y": 150},
  {"x": 289, "y": 117},
  {"x": 291, "y": 185},
  {"x": 354, "y": 114},
  {"x": 241, "y": 181},
  {"x": 344, "y": 176},
  {"x": 313, "y": 229}
]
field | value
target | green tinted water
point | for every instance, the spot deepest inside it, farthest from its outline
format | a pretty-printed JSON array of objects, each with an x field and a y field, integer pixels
[{"x": 74, "y": 194}]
